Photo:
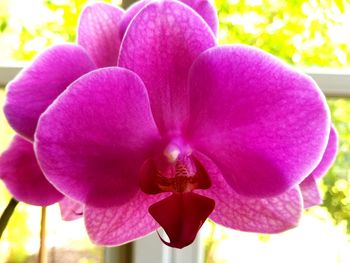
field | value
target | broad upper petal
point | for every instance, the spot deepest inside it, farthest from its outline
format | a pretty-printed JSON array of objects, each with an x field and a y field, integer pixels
[
  {"x": 160, "y": 45},
  {"x": 203, "y": 7},
  {"x": 264, "y": 124},
  {"x": 262, "y": 215},
  {"x": 22, "y": 175},
  {"x": 98, "y": 33},
  {"x": 38, "y": 85},
  {"x": 328, "y": 156},
  {"x": 120, "y": 224},
  {"x": 92, "y": 141},
  {"x": 70, "y": 209},
  {"x": 310, "y": 193}
]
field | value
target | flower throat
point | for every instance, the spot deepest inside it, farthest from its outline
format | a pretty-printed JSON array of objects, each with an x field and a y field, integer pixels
[{"x": 183, "y": 212}]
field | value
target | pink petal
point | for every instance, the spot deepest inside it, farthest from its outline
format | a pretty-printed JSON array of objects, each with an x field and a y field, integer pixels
[
  {"x": 70, "y": 209},
  {"x": 203, "y": 7},
  {"x": 130, "y": 13},
  {"x": 98, "y": 33},
  {"x": 92, "y": 141},
  {"x": 181, "y": 215},
  {"x": 328, "y": 156},
  {"x": 22, "y": 176},
  {"x": 36, "y": 87},
  {"x": 121, "y": 224},
  {"x": 310, "y": 192},
  {"x": 160, "y": 45},
  {"x": 263, "y": 124},
  {"x": 308, "y": 187},
  {"x": 262, "y": 215},
  {"x": 206, "y": 10}
]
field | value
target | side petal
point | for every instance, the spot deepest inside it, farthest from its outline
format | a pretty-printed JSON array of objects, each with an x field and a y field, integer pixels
[
  {"x": 329, "y": 155},
  {"x": 92, "y": 141},
  {"x": 160, "y": 45},
  {"x": 261, "y": 215},
  {"x": 130, "y": 13},
  {"x": 264, "y": 124},
  {"x": 203, "y": 7},
  {"x": 98, "y": 33},
  {"x": 114, "y": 226},
  {"x": 22, "y": 175},
  {"x": 311, "y": 194},
  {"x": 70, "y": 209},
  {"x": 37, "y": 86}
]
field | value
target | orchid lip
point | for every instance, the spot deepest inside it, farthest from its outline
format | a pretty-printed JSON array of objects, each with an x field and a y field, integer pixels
[
  {"x": 181, "y": 215},
  {"x": 179, "y": 172}
]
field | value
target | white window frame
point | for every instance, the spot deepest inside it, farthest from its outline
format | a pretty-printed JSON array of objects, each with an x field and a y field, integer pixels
[{"x": 333, "y": 83}]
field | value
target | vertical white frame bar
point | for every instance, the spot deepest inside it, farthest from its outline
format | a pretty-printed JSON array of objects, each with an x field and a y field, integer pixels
[
  {"x": 151, "y": 249},
  {"x": 333, "y": 83}
]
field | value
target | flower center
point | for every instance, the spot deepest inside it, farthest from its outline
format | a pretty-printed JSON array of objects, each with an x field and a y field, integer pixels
[{"x": 177, "y": 171}]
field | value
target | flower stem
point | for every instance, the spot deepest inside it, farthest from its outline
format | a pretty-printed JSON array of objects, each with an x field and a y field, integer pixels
[
  {"x": 42, "y": 250},
  {"x": 6, "y": 215}
]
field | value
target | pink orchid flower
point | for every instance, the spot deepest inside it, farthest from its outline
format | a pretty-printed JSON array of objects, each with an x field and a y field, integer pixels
[{"x": 181, "y": 130}]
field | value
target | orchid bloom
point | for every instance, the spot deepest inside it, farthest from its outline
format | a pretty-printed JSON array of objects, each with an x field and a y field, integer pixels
[{"x": 181, "y": 130}]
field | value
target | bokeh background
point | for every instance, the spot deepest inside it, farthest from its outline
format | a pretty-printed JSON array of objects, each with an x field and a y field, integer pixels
[{"x": 311, "y": 35}]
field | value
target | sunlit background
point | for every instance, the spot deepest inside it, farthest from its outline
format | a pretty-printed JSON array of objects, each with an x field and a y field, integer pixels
[{"x": 308, "y": 34}]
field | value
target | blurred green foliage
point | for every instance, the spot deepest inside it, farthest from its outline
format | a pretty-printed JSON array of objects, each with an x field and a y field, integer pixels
[
  {"x": 44, "y": 23},
  {"x": 303, "y": 33}
]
